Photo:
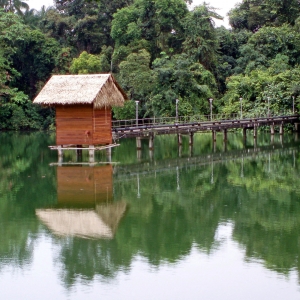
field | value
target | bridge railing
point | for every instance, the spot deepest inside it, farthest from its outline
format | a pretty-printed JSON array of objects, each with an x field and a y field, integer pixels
[
  {"x": 155, "y": 121},
  {"x": 171, "y": 120}
]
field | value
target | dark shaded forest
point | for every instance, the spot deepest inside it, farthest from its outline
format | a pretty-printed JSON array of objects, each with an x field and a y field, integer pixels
[{"x": 158, "y": 50}]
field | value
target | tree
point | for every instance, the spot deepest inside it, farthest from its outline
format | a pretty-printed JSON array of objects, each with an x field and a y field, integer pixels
[
  {"x": 35, "y": 59},
  {"x": 136, "y": 77},
  {"x": 278, "y": 83},
  {"x": 158, "y": 22},
  {"x": 264, "y": 45},
  {"x": 14, "y": 6},
  {"x": 253, "y": 14},
  {"x": 88, "y": 22},
  {"x": 85, "y": 64},
  {"x": 200, "y": 35},
  {"x": 179, "y": 77}
]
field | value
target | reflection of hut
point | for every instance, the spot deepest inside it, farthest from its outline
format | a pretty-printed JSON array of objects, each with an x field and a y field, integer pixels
[
  {"x": 84, "y": 186},
  {"x": 84, "y": 223},
  {"x": 85, "y": 206},
  {"x": 83, "y": 107}
]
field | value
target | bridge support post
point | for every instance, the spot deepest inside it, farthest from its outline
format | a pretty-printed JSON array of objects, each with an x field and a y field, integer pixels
[
  {"x": 281, "y": 129},
  {"x": 244, "y": 133},
  {"x": 255, "y": 132},
  {"x": 272, "y": 139},
  {"x": 297, "y": 127},
  {"x": 139, "y": 154},
  {"x": 225, "y": 135},
  {"x": 151, "y": 154},
  {"x": 214, "y": 146},
  {"x": 151, "y": 141},
  {"x": 214, "y": 135},
  {"x": 138, "y": 143},
  {"x": 255, "y": 143},
  {"x": 179, "y": 138},
  {"x": 281, "y": 139},
  {"x": 179, "y": 150},
  {"x": 190, "y": 150},
  {"x": 191, "y": 138},
  {"x": 272, "y": 129}
]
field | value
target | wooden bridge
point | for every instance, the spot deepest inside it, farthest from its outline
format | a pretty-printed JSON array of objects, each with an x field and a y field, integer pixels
[{"x": 149, "y": 127}]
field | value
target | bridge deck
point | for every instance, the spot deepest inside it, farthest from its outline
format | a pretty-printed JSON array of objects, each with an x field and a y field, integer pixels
[{"x": 121, "y": 129}]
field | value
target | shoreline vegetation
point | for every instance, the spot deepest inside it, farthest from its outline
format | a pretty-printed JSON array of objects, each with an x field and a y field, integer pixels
[{"x": 158, "y": 51}]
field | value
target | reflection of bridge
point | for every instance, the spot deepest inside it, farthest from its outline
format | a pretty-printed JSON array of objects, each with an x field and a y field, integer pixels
[
  {"x": 174, "y": 166},
  {"x": 190, "y": 125},
  {"x": 169, "y": 165}
]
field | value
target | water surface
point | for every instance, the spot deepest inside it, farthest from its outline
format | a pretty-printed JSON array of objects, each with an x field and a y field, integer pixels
[{"x": 211, "y": 222}]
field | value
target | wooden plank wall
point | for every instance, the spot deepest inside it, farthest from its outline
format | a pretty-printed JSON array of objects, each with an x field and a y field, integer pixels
[
  {"x": 74, "y": 125},
  {"x": 81, "y": 125},
  {"x": 102, "y": 126},
  {"x": 84, "y": 186}
]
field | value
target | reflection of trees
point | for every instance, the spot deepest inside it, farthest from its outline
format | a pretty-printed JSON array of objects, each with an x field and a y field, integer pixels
[
  {"x": 166, "y": 221},
  {"x": 259, "y": 197},
  {"x": 23, "y": 186},
  {"x": 268, "y": 219},
  {"x": 86, "y": 258},
  {"x": 175, "y": 210}
]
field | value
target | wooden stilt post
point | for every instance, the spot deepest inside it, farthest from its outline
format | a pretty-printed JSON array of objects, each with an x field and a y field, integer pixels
[
  {"x": 91, "y": 153},
  {"x": 108, "y": 154},
  {"x": 59, "y": 151},
  {"x": 60, "y": 155},
  {"x": 272, "y": 139},
  {"x": 79, "y": 152}
]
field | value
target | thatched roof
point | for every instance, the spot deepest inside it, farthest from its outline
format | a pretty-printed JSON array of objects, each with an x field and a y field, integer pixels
[{"x": 100, "y": 89}]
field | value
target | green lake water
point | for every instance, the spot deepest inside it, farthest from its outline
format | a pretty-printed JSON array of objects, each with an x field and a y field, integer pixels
[{"x": 211, "y": 222}]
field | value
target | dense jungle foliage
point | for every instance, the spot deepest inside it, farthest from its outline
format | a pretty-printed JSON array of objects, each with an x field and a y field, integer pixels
[{"x": 158, "y": 51}]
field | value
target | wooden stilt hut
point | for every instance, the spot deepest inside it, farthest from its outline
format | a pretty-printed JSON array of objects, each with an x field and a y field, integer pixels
[{"x": 83, "y": 107}]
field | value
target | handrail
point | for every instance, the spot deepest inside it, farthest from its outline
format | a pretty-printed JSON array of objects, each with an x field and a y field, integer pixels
[{"x": 190, "y": 120}]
